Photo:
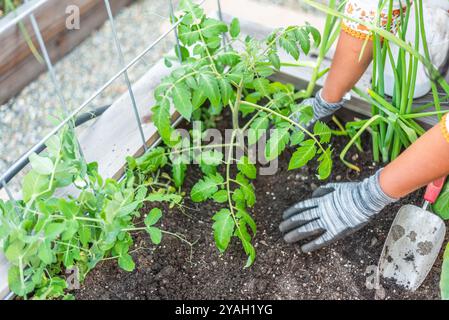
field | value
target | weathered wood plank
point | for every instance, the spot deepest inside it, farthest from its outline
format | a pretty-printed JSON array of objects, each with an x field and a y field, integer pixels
[
  {"x": 18, "y": 66},
  {"x": 114, "y": 136}
]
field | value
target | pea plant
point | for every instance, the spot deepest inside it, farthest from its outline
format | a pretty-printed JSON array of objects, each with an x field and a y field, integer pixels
[
  {"x": 221, "y": 70},
  {"x": 48, "y": 232}
]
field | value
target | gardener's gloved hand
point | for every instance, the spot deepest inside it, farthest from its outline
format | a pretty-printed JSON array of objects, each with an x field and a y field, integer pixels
[
  {"x": 335, "y": 211},
  {"x": 321, "y": 108}
]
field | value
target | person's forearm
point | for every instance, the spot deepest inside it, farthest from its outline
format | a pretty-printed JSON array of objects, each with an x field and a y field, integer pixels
[
  {"x": 347, "y": 66},
  {"x": 424, "y": 161}
]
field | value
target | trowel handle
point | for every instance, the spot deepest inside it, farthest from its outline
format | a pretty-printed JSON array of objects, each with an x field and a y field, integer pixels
[{"x": 433, "y": 190}]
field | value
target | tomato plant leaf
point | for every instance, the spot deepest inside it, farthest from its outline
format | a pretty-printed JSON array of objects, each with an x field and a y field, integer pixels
[
  {"x": 290, "y": 46},
  {"x": 297, "y": 138},
  {"x": 245, "y": 238},
  {"x": 220, "y": 196},
  {"x": 258, "y": 128},
  {"x": 182, "y": 99},
  {"x": 241, "y": 213},
  {"x": 152, "y": 160},
  {"x": 321, "y": 130},
  {"x": 223, "y": 228},
  {"x": 247, "y": 189},
  {"x": 204, "y": 189},
  {"x": 247, "y": 168},
  {"x": 277, "y": 143},
  {"x": 179, "y": 172},
  {"x": 302, "y": 155},
  {"x": 275, "y": 60},
  {"x": 325, "y": 166},
  {"x": 262, "y": 86},
  {"x": 161, "y": 119},
  {"x": 226, "y": 91},
  {"x": 303, "y": 37},
  {"x": 211, "y": 157},
  {"x": 210, "y": 87},
  {"x": 315, "y": 34}
]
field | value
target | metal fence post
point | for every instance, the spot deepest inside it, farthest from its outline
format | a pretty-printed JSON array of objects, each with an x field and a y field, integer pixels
[
  {"x": 122, "y": 64},
  {"x": 172, "y": 21},
  {"x": 220, "y": 16},
  {"x": 52, "y": 73}
]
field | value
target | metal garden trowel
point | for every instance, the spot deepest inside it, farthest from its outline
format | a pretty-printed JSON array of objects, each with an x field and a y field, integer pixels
[{"x": 414, "y": 241}]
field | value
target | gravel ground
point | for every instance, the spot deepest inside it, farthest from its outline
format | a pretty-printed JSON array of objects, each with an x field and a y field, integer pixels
[{"x": 28, "y": 117}]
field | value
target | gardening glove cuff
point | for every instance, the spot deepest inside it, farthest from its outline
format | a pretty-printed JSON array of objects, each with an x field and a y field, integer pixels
[
  {"x": 322, "y": 108},
  {"x": 370, "y": 197}
]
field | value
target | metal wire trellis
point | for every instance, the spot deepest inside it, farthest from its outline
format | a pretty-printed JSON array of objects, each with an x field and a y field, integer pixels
[{"x": 18, "y": 165}]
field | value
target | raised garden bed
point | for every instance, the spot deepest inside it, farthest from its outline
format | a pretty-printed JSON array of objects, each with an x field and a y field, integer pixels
[
  {"x": 281, "y": 271},
  {"x": 18, "y": 65}
]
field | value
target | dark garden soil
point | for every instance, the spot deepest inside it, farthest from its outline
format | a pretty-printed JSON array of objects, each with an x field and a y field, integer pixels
[{"x": 174, "y": 271}]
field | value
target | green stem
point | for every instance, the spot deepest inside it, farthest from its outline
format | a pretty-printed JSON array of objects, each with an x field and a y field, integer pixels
[
  {"x": 323, "y": 50},
  {"x": 312, "y": 136},
  {"x": 384, "y": 34},
  {"x": 427, "y": 55},
  {"x": 354, "y": 139}
]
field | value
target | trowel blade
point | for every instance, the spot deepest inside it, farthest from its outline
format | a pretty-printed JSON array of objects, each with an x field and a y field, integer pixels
[{"x": 412, "y": 246}]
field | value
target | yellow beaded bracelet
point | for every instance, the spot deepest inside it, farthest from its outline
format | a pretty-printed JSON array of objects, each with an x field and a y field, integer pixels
[
  {"x": 444, "y": 127},
  {"x": 355, "y": 33}
]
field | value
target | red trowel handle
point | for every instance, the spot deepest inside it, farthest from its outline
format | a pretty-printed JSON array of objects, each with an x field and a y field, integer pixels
[{"x": 433, "y": 190}]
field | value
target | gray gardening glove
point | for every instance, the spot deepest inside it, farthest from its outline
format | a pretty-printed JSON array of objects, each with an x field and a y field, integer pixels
[
  {"x": 321, "y": 108},
  {"x": 335, "y": 211}
]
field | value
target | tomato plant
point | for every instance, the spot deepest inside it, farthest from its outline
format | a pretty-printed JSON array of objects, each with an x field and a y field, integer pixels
[{"x": 235, "y": 74}]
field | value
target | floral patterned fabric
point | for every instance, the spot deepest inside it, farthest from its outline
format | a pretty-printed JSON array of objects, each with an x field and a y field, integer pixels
[{"x": 366, "y": 10}]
